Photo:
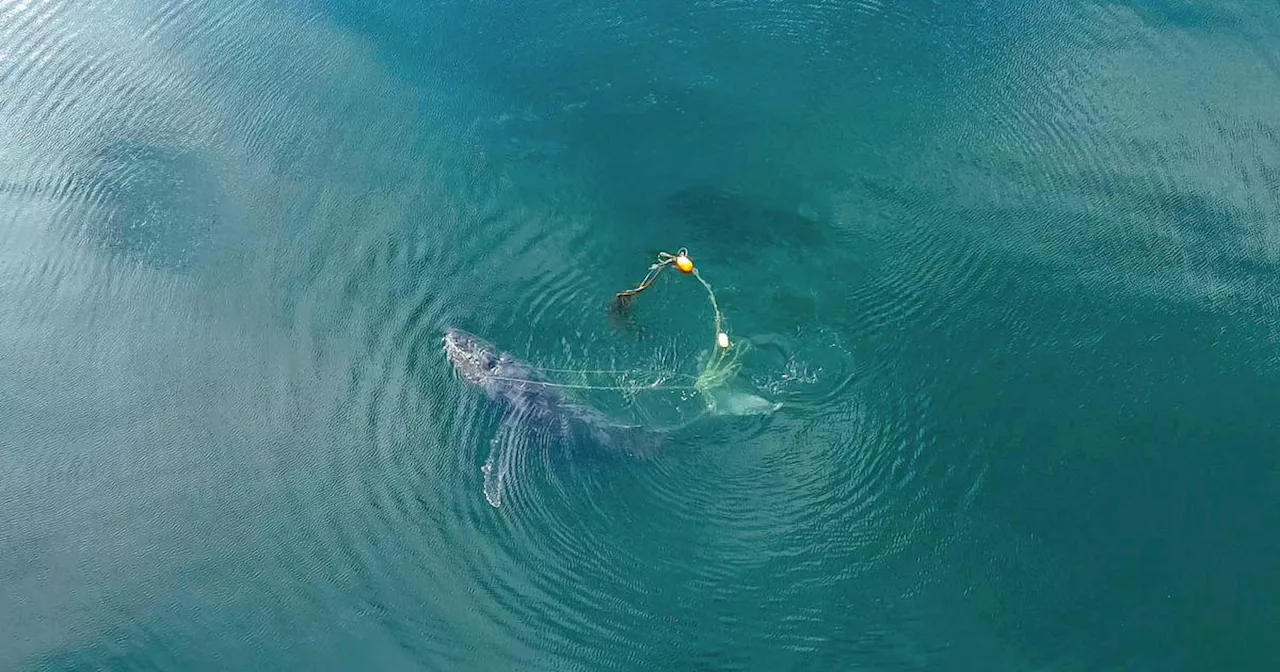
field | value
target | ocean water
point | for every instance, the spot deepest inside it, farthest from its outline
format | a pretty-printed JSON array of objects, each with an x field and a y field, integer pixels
[{"x": 1011, "y": 269}]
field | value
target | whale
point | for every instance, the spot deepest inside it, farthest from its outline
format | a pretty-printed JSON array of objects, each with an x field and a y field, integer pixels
[{"x": 534, "y": 405}]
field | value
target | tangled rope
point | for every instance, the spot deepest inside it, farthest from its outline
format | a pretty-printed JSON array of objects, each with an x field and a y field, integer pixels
[{"x": 719, "y": 367}]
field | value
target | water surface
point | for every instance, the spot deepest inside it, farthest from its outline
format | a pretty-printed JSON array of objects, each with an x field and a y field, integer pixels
[{"x": 1011, "y": 268}]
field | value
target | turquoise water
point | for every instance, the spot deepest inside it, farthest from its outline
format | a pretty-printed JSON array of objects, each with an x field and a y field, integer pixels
[{"x": 1011, "y": 269}]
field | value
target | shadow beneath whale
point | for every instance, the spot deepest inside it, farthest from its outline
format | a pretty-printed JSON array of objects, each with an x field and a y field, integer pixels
[{"x": 716, "y": 216}]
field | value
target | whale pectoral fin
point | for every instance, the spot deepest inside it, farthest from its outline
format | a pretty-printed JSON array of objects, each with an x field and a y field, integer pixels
[
  {"x": 563, "y": 427},
  {"x": 503, "y": 451}
]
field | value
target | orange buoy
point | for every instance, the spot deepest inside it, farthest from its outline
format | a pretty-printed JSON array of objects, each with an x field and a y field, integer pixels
[{"x": 684, "y": 263}]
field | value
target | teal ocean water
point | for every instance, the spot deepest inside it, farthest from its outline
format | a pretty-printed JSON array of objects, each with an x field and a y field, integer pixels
[{"x": 1011, "y": 269}]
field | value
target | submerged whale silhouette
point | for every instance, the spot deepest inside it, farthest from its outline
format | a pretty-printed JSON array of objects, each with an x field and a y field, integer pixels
[{"x": 532, "y": 402}]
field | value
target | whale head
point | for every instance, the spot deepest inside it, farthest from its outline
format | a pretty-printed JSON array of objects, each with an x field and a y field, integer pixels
[{"x": 475, "y": 359}]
